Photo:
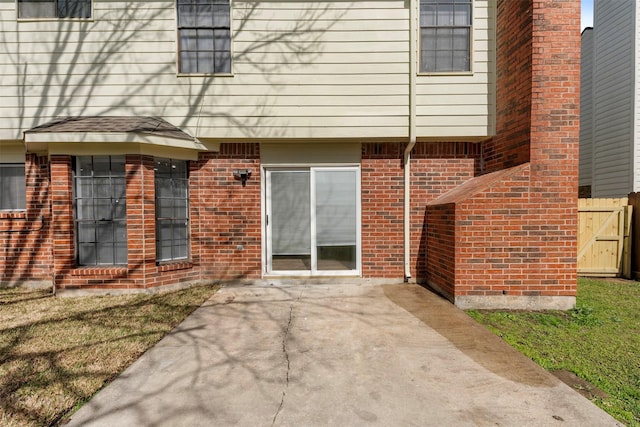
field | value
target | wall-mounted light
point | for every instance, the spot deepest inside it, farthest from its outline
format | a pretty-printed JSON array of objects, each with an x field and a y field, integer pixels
[{"x": 242, "y": 174}]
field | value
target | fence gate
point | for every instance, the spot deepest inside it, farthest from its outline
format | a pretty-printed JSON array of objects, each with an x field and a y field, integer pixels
[{"x": 604, "y": 244}]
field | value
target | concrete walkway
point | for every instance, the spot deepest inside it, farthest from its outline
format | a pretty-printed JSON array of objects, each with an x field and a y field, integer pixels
[{"x": 341, "y": 355}]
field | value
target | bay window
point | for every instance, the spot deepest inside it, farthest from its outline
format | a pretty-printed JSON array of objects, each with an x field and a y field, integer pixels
[
  {"x": 172, "y": 209},
  {"x": 100, "y": 210}
]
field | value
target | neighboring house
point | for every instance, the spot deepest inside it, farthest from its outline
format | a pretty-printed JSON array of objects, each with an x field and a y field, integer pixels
[
  {"x": 153, "y": 144},
  {"x": 610, "y": 101}
]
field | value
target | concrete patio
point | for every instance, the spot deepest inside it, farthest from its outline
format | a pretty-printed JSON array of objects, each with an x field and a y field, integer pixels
[{"x": 343, "y": 355}]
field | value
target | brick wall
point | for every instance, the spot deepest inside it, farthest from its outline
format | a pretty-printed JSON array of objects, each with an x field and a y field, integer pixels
[
  {"x": 25, "y": 248},
  {"x": 227, "y": 216},
  {"x": 382, "y": 210},
  {"x": 555, "y": 130},
  {"x": 439, "y": 254},
  {"x": 510, "y": 146},
  {"x": 516, "y": 227},
  {"x": 436, "y": 168}
]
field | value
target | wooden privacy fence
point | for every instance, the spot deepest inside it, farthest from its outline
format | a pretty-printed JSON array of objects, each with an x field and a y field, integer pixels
[{"x": 604, "y": 237}]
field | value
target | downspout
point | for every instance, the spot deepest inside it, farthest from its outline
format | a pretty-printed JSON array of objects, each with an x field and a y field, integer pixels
[{"x": 413, "y": 48}]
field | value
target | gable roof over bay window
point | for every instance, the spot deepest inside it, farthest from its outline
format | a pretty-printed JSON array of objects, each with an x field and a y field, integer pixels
[{"x": 112, "y": 135}]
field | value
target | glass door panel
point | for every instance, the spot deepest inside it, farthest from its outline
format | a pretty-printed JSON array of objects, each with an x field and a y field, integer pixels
[
  {"x": 312, "y": 221},
  {"x": 336, "y": 221},
  {"x": 290, "y": 220}
]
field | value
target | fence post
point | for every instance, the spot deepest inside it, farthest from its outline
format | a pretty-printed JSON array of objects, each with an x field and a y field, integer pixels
[{"x": 634, "y": 201}]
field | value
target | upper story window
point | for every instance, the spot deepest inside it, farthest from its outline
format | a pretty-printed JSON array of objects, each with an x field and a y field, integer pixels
[
  {"x": 445, "y": 35},
  {"x": 204, "y": 33},
  {"x": 12, "y": 187},
  {"x": 54, "y": 9}
]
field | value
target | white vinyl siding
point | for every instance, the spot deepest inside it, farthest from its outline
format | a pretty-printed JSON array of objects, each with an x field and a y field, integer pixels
[
  {"x": 586, "y": 108},
  {"x": 462, "y": 104},
  {"x": 614, "y": 96},
  {"x": 300, "y": 70}
]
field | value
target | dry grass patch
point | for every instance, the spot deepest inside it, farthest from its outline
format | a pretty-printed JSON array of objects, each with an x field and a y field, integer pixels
[{"x": 55, "y": 353}]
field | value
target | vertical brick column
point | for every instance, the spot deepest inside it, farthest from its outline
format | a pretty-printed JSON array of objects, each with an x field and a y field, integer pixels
[
  {"x": 510, "y": 146},
  {"x": 62, "y": 217},
  {"x": 555, "y": 132},
  {"x": 141, "y": 244},
  {"x": 25, "y": 248},
  {"x": 382, "y": 211},
  {"x": 39, "y": 265}
]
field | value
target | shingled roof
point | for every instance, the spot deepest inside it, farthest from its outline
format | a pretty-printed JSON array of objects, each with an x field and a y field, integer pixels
[{"x": 107, "y": 124}]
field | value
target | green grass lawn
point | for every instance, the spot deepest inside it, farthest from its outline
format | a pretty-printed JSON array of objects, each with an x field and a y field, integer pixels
[
  {"x": 599, "y": 341},
  {"x": 56, "y": 353}
]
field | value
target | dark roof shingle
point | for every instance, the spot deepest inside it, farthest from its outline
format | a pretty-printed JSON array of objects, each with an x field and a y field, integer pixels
[{"x": 128, "y": 124}]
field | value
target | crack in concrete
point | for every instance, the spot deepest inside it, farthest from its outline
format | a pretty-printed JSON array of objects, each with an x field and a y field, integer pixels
[{"x": 285, "y": 351}]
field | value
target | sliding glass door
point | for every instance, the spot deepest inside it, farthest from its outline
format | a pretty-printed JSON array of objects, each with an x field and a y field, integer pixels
[{"x": 313, "y": 220}]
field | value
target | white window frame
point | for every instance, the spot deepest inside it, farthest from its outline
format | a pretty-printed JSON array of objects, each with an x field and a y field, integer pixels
[{"x": 267, "y": 230}]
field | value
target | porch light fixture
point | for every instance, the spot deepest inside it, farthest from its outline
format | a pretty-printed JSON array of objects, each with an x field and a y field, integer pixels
[{"x": 242, "y": 174}]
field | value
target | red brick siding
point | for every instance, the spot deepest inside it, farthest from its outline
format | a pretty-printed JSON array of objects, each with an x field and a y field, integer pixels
[
  {"x": 62, "y": 217},
  {"x": 518, "y": 235},
  {"x": 510, "y": 146},
  {"x": 227, "y": 215},
  {"x": 435, "y": 169},
  {"x": 141, "y": 229},
  {"x": 501, "y": 247},
  {"x": 439, "y": 256},
  {"x": 25, "y": 248},
  {"x": 382, "y": 210},
  {"x": 555, "y": 129}
]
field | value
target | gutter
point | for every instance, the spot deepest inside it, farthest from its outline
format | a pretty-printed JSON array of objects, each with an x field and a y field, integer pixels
[{"x": 413, "y": 48}]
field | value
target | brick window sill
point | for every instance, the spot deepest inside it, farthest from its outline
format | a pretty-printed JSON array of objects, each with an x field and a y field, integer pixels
[
  {"x": 172, "y": 266},
  {"x": 13, "y": 215},
  {"x": 101, "y": 272},
  {"x": 19, "y": 222}
]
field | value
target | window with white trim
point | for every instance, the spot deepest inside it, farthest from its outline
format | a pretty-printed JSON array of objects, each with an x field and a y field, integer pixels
[
  {"x": 204, "y": 36},
  {"x": 172, "y": 209},
  {"x": 54, "y": 9},
  {"x": 100, "y": 210},
  {"x": 445, "y": 35},
  {"x": 12, "y": 187}
]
